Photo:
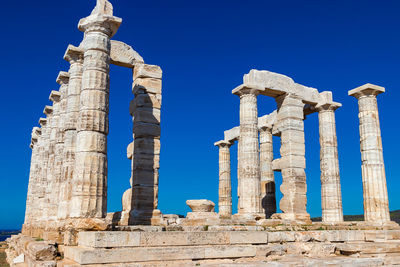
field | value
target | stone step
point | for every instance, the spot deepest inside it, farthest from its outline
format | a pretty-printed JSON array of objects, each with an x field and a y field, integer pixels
[
  {"x": 119, "y": 239},
  {"x": 84, "y": 255},
  {"x": 380, "y": 247}
]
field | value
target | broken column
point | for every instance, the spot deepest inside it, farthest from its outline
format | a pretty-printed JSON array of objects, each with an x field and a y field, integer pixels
[
  {"x": 225, "y": 188},
  {"x": 248, "y": 158},
  {"x": 146, "y": 109},
  {"x": 74, "y": 56},
  {"x": 331, "y": 196},
  {"x": 376, "y": 204},
  {"x": 89, "y": 196},
  {"x": 268, "y": 200},
  {"x": 292, "y": 162}
]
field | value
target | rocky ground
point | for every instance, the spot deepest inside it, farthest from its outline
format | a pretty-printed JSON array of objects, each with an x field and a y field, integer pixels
[{"x": 3, "y": 262}]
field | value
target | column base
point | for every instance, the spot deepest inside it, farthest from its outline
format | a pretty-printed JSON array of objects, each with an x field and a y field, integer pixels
[{"x": 152, "y": 217}]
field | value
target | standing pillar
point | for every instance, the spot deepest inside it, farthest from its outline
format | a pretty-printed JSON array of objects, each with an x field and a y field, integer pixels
[
  {"x": 225, "y": 188},
  {"x": 89, "y": 196},
  {"x": 248, "y": 158},
  {"x": 74, "y": 56},
  {"x": 268, "y": 200},
  {"x": 40, "y": 200},
  {"x": 376, "y": 204},
  {"x": 331, "y": 196},
  {"x": 292, "y": 162},
  {"x": 146, "y": 110},
  {"x": 32, "y": 185}
]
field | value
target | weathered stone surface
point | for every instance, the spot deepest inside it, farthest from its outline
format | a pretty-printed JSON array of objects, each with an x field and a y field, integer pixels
[
  {"x": 376, "y": 204},
  {"x": 123, "y": 55}
]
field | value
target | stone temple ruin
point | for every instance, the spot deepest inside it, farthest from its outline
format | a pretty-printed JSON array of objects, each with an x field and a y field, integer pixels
[{"x": 66, "y": 220}]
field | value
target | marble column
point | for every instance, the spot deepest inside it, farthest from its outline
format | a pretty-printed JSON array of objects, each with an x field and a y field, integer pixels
[
  {"x": 292, "y": 163},
  {"x": 51, "y": 189},
  {"x": 331, "y": 196},
  {"x": 249, "y": 158},
  {"x": 268, "y": 199},
  {"x": 89, "y": 195},
  {"x": 376, "y": 204},
  {"x": 44, "y": 157},
  {"x": 74, "y": 56},
  {"x": 225, "y": 188},
  {"x": 32, "y": 185}
]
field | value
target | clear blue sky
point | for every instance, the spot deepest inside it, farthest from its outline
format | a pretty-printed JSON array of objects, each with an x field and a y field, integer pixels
[{"x": 204, "y": 48}]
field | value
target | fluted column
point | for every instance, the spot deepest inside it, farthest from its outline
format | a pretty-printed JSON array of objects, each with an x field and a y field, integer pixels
[
  {"x": 51, "y": 194},
  {"x": 292, "y": 163},
  {"x": 74, "y": 56},
  {"x": 44, "y": 157},
  {"x": 331, "y": 195},
  {"x": 89, "y": 196},
  {"x": 32, "y": 185},
  {"x": 249, "y": 158},
  {"x": 376, "y": 204},
  {"x": 268, "y": 199},
  {"x": 225, "y": 188}
]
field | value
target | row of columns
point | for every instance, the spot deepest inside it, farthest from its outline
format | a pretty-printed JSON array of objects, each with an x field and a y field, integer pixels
[
  {"x": 255, "y": 161},
  {"x": 68, "y": 177}
]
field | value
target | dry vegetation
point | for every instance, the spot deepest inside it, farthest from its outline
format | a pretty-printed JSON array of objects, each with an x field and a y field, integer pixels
[{"x": 3, "y": 262}]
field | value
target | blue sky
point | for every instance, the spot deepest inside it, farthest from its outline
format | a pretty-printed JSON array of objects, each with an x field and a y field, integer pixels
[{"x": 204, "y": 49}]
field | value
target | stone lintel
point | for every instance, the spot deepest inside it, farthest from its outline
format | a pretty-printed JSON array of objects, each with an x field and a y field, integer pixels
[
  {"x": 223, "y": 143},
  {"x": 42, "y": 121},
  {"x": 232, "y": 135},
  {"x": 247, "y": 89},
  {"x": 366, "y": 90},
  {"x": 123, "y": 55},
  {"x": 55, "y": 96},
  {"x": 73, "y": 53},
  {"x": 267, "y": 121},
  {"x": 48, "y": 110},
  {"x": 63, "y": 78}
]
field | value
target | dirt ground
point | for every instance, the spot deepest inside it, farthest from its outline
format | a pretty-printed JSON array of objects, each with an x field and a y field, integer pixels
[{"x": 3, "y": 262}]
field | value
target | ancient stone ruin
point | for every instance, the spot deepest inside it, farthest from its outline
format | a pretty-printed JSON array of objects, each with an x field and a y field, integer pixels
[{"x": 66, "y": 220}]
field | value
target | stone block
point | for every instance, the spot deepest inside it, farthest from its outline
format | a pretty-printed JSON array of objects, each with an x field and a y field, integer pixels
[
  {"x": 147, "y": 115},
  {"x": 123, "y": 55},
  {"x": 259, "y": 237},
  {"x": 147, "y": 85},
  {"x": 146, "y": 100},
  {"x": 107, "y": 239},
  {"x": 141, "y": 129},
  {"x": 278, "y": 237},
  {"x": 147, "y": 71}
]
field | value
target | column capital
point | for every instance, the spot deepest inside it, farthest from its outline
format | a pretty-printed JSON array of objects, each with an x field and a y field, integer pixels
[
  {"x": 42, "y": 122},
  {"x": 366, "y": 90},
  {"x": 223, "y": 143},
  {"x": 63, "y": 78},
  {"x": 245, "y": 89},
  {"x": 100, "y": 22},
  {"x": 55, "y": 96},
  {"x": 74, "y": 54},
  {"x": 47, "y": 110}
]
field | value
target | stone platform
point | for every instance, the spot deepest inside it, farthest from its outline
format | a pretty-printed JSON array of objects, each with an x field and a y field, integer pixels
[{"x": 242, "y": 248}]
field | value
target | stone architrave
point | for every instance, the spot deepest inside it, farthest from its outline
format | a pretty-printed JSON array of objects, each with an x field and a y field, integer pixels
[
  {"x": 292, "y": 163},
  {"x": 268, "y": 199},
  {"x": 146, "y": 110},
  {"x": 376, "y": 204},
  {"x": 225, "y": 187},
  {"x": 248, "y": 156},
  {"x": 74, "y": 56},
  {"x": 331, "y": 196},
  {"x": 89, "y": 194}
]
